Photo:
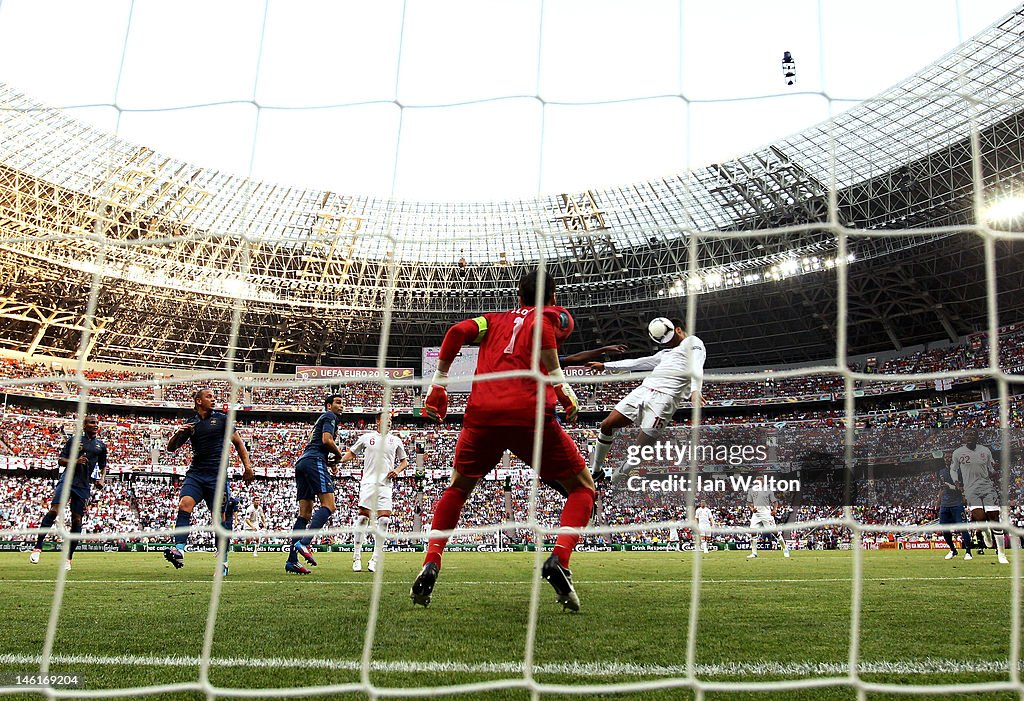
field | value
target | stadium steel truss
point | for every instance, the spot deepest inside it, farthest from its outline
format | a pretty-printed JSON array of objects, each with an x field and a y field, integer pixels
[{"x": 179, "y": 253}]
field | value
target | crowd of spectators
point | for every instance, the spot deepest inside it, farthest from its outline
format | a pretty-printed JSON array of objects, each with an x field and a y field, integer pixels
[
  {"x": 139, "y": 443},
  {"x": 145, "y": 496},
  {"x": 150, "y": 503},
  {"x": 62, "y": 381}
]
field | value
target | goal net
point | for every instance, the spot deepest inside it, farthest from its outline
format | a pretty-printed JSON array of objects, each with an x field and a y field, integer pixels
[{"x": 856, "y": 285}]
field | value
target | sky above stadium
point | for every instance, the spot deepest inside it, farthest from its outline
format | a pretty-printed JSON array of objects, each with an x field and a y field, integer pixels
[{"x": 467, "y": 99}]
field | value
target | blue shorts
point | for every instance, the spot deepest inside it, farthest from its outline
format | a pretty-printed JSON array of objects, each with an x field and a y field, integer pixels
[
  {"x": 952, "y": 514},
  {"x": 312, "y": 478},
  {"x": 78, "y": 499},
  {"x": 201, "y": 485}
]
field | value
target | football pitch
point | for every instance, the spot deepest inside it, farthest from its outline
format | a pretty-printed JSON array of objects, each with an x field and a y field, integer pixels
[{"x": 131, "y": 620}]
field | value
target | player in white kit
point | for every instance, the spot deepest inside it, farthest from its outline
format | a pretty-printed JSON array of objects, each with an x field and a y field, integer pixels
[
  {"x": 677, "y": 373},
  {"x": 973, "y": 468},
  {"x": 762, "y": 504},
  {"x": 255, "y": 520},
  {"x": 705, "y": 522},
  {"x": 379, "y": 453}
]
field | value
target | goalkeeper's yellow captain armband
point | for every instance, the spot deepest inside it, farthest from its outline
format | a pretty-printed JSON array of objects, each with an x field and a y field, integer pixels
[{"x": 481, "y": 325}]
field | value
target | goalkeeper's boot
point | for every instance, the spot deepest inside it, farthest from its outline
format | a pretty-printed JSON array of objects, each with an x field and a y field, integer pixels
[
  {"x": 424, "y": 585},
  {"x": 296, "y": 568},
  {"x": 33, "y": 559},
  {"x": 175, "y": 557},
  {"x": 560, "y": 579},
  {"x": 67, "y": 564},
  {"x": 306, "y": 553}
]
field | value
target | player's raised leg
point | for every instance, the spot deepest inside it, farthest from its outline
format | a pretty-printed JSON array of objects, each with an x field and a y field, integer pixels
[
  {"x": 606, "y": 436},
  {"x": 446, "y": 517}
]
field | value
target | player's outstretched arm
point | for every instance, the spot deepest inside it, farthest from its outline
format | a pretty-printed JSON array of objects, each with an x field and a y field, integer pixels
[
  {"x": 563, "y": 390},
  {"x": 586, "y": 356},
  {"x": 435, "y": 407},
  {"x": 644, "y": 364}
]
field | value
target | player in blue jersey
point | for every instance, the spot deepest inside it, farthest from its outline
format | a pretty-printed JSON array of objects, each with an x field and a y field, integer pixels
[
  {"x": 90, "y": 465},
  {"x": 951, "y": 510},
  {"x": 207, "y": 432},
  {"x": 313, "y": 478}
]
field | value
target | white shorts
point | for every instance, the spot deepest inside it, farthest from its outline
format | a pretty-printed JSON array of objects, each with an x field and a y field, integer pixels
[
  {"x": 367, "y": 491},
  {"x": 989, "y": 501},
  {"x": 765, "y": 520},
  {"x": 648, "y": 408},
  {"x": 704, "y": 527}
]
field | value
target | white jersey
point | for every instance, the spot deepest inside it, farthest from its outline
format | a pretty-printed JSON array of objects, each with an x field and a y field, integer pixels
[
  {"x": 678, "y": 371},
  {"x": 704, "y": 516},
  {"x": 255, "y": 518},
  {"x": 972, "y": 468},
  {"x": 762, "y": 500},
  {"x": 379, "y": 455}
]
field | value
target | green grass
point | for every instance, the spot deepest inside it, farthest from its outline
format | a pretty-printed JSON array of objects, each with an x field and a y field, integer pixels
[{"x": 789, "y": 615}]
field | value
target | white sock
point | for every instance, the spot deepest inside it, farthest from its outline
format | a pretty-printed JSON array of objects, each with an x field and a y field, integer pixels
[
  {"x": 997, "y": 535},
  {"x": 358, "y": 537},
  {"x": 378, "y": 540},
  {"x": 604, "y": 444}
]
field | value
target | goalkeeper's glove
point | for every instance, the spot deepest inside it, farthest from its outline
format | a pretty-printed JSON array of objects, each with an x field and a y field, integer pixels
[
  {"x": 565, "y": 395},
  {"x": 435, "y": 407}
]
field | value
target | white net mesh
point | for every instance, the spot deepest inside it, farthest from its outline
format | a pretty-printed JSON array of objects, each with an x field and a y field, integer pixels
[{"x": 203, "y": 263}]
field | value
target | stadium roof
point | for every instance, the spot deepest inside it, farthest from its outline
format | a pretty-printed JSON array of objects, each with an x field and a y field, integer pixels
[{"x": 178, "y": 250}]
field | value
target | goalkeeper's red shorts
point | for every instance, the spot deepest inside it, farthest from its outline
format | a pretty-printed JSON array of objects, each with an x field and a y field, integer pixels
[{"x": 479, "y": 450}]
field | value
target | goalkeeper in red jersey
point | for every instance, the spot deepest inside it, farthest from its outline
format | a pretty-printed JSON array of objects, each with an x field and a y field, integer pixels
[{"x": 501, "y": 415}]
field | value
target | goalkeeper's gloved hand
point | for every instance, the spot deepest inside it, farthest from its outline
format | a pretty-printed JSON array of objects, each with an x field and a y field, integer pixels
[
  {"x": 566, "y": 396},
  {"x": 435, "y": 407}
]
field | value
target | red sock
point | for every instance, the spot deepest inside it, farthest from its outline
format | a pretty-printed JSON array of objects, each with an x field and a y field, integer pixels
[
  {"x": 579, "y": 506},
  {"x": 446, "y": 517}
]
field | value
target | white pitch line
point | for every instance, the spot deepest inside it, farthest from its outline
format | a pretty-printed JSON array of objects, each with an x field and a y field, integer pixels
[
  {"x": 596, "y": 582},
  {"x": 582, "y": 669}
]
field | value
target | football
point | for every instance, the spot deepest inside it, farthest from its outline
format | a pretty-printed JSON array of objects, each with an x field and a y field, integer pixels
[{"x": 661, "y": 330}]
